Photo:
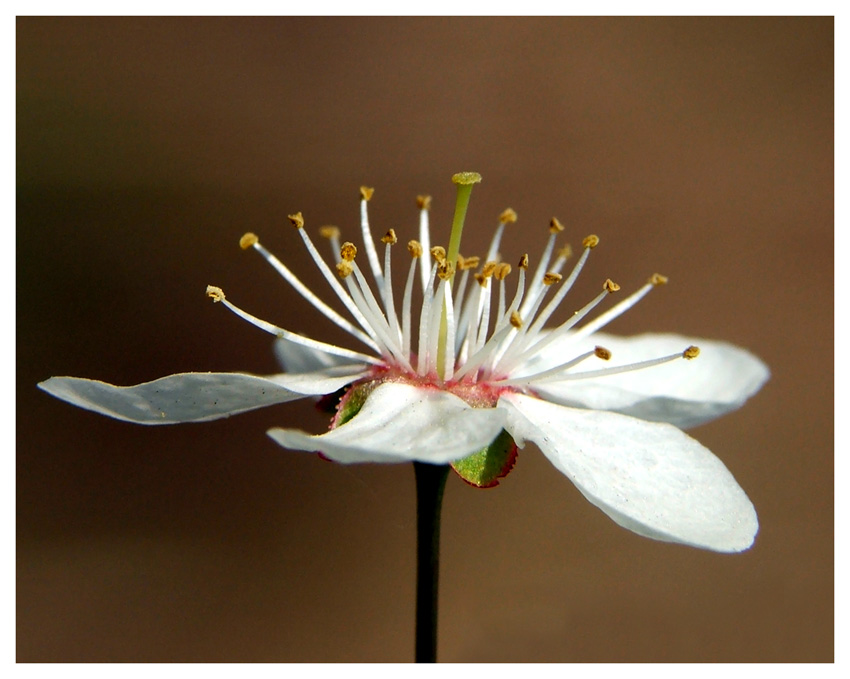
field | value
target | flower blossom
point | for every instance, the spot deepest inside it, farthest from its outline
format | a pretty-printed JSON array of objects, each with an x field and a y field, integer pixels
[{"x": 474, "y": 372}]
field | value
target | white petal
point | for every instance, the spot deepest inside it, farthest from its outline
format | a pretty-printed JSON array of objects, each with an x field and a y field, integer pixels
[
  {"x": 684, "y": 393},
  {"x": 320, "y": 382},
  {"x": 296, "y": 358},
  {"x": 648, "y": 477},
  {"x": 400, "y": 422},
  {"x": 189, "y": 397}
]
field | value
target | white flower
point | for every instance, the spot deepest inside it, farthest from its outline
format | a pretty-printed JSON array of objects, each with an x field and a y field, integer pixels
[{"x": 442, "y": 384}]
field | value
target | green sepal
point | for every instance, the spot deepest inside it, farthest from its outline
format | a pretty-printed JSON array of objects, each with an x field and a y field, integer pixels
[
  {"x": 484, "y": 468},
  {"x": 351, "y": 403}
]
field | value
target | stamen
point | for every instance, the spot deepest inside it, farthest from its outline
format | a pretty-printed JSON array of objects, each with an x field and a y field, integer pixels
[
  {"x": 507, "y": 217},
  {"x": 640, "y": 365},
  {"x": 297, "y": 220},
  {"x": 445, "y": 270},
  {"x": 536, "y": 282},
  {"x": 555, "y": 226},
  {"x": 406, "y": 316},
  {"x": 344, "y": 297},
  {"x": 369, "y": 305},
  {"x": 348, "y": 251},
  {"x": 551, "y": 278},
  {"x": 329, "y": 232},
  {"x": 484, "y": 314},
  {"x": 389, "y": 302},
  {"x": 216, "y": 293},
  {"x": 344, "y": 268},
  {"x": 424, "y": 323},
  {"x": 438, "y": 252},
  {"x": 424, "y": 203},
  {"x": 248, "y": 240},
  {"x": 489, "y": 268},
  {"x": 516, "y": 321},
  {"x": 415, "y": 249},
  {"x": 615, "y": 311},
  {"x": 603, "y": 353},
  {"x": 251, "y": 240},
  {"x": 368, "y": 242},
  {"x": 502, "y": 270},
  {"x": 549, "y": 309},
  {"x": 556, "y": 372},
  {"x": 690, "y": 353},
  {"x": 449, "y": 343},
  {"x": 479, "y": 356},
  {"x": 590, "y": 241},
  {"x": 332, "y": 233},
  {"x": 460, "y": 290},
  {"x": 524, "y": 348},
  {"x": 218, "y": 296}
]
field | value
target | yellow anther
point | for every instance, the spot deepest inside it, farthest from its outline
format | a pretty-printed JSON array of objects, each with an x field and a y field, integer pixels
[
  {"x": 658, "y": 279},
  {"x": 590, "y": 242},
  {"x": 248, "y": 240},
  {"x": 438, "y": 252},
  {"x": 516, "y": 321},
  {"x": 555, "y": 226},
  {"x": 610, "y": 285},
  {"x": 217, "y": 294},
  {"x": 423, "y": 202},
  {"x": 502, "y": 270},
  {"x": 366, "y": 192},
  {"x": 329, "y": 232},
  {"x": 566, "y": 252},
  {"x": 488, "y": 269},
  {"x": 466, "y": 178},
  {"x": 482, "y": 279},
  {"x": 603, "y": 353},
  {"x": 297, "y": 220},
  {"x": 390, "y": 238},
  {"x": 508, "y": 216},
  {"x": 690, "y": 353},
  {"x": 523, "y": 262},
  {"x": 348, "y": 251},
  {"x": 551, "y": 278},
  {"x": 414, "y": 247},
  {"x": 464, "y": 263},
  {"x": 445, "y": 270},
  {"x": 344, "y": 268}
]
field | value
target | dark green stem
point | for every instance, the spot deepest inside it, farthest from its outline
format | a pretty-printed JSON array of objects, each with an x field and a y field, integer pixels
[{"x": 430, "y": 483}]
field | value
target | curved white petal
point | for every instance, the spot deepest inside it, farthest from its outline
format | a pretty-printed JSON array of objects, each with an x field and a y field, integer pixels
[
  {"x": 400, "y": 422},
  {"x": 648, "y": 477},
  {"x": 190, "y": 397},
  {"x": 320, "y": 382},
  {"x": 297, "y": 358},
  {"x": 684, "y": 393}
]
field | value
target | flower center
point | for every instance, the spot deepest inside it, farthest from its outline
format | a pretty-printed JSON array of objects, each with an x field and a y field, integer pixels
[{"x": 470, "y": 336}]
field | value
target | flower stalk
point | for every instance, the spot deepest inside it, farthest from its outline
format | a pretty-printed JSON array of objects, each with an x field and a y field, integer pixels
[{"x": 430, "y": 484}]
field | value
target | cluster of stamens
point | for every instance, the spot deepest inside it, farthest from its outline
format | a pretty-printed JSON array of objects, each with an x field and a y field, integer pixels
[{"x": 463, "y": 335}]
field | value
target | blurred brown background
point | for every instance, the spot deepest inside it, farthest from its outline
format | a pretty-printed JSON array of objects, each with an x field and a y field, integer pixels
[{"x": 701, "y": 148}]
